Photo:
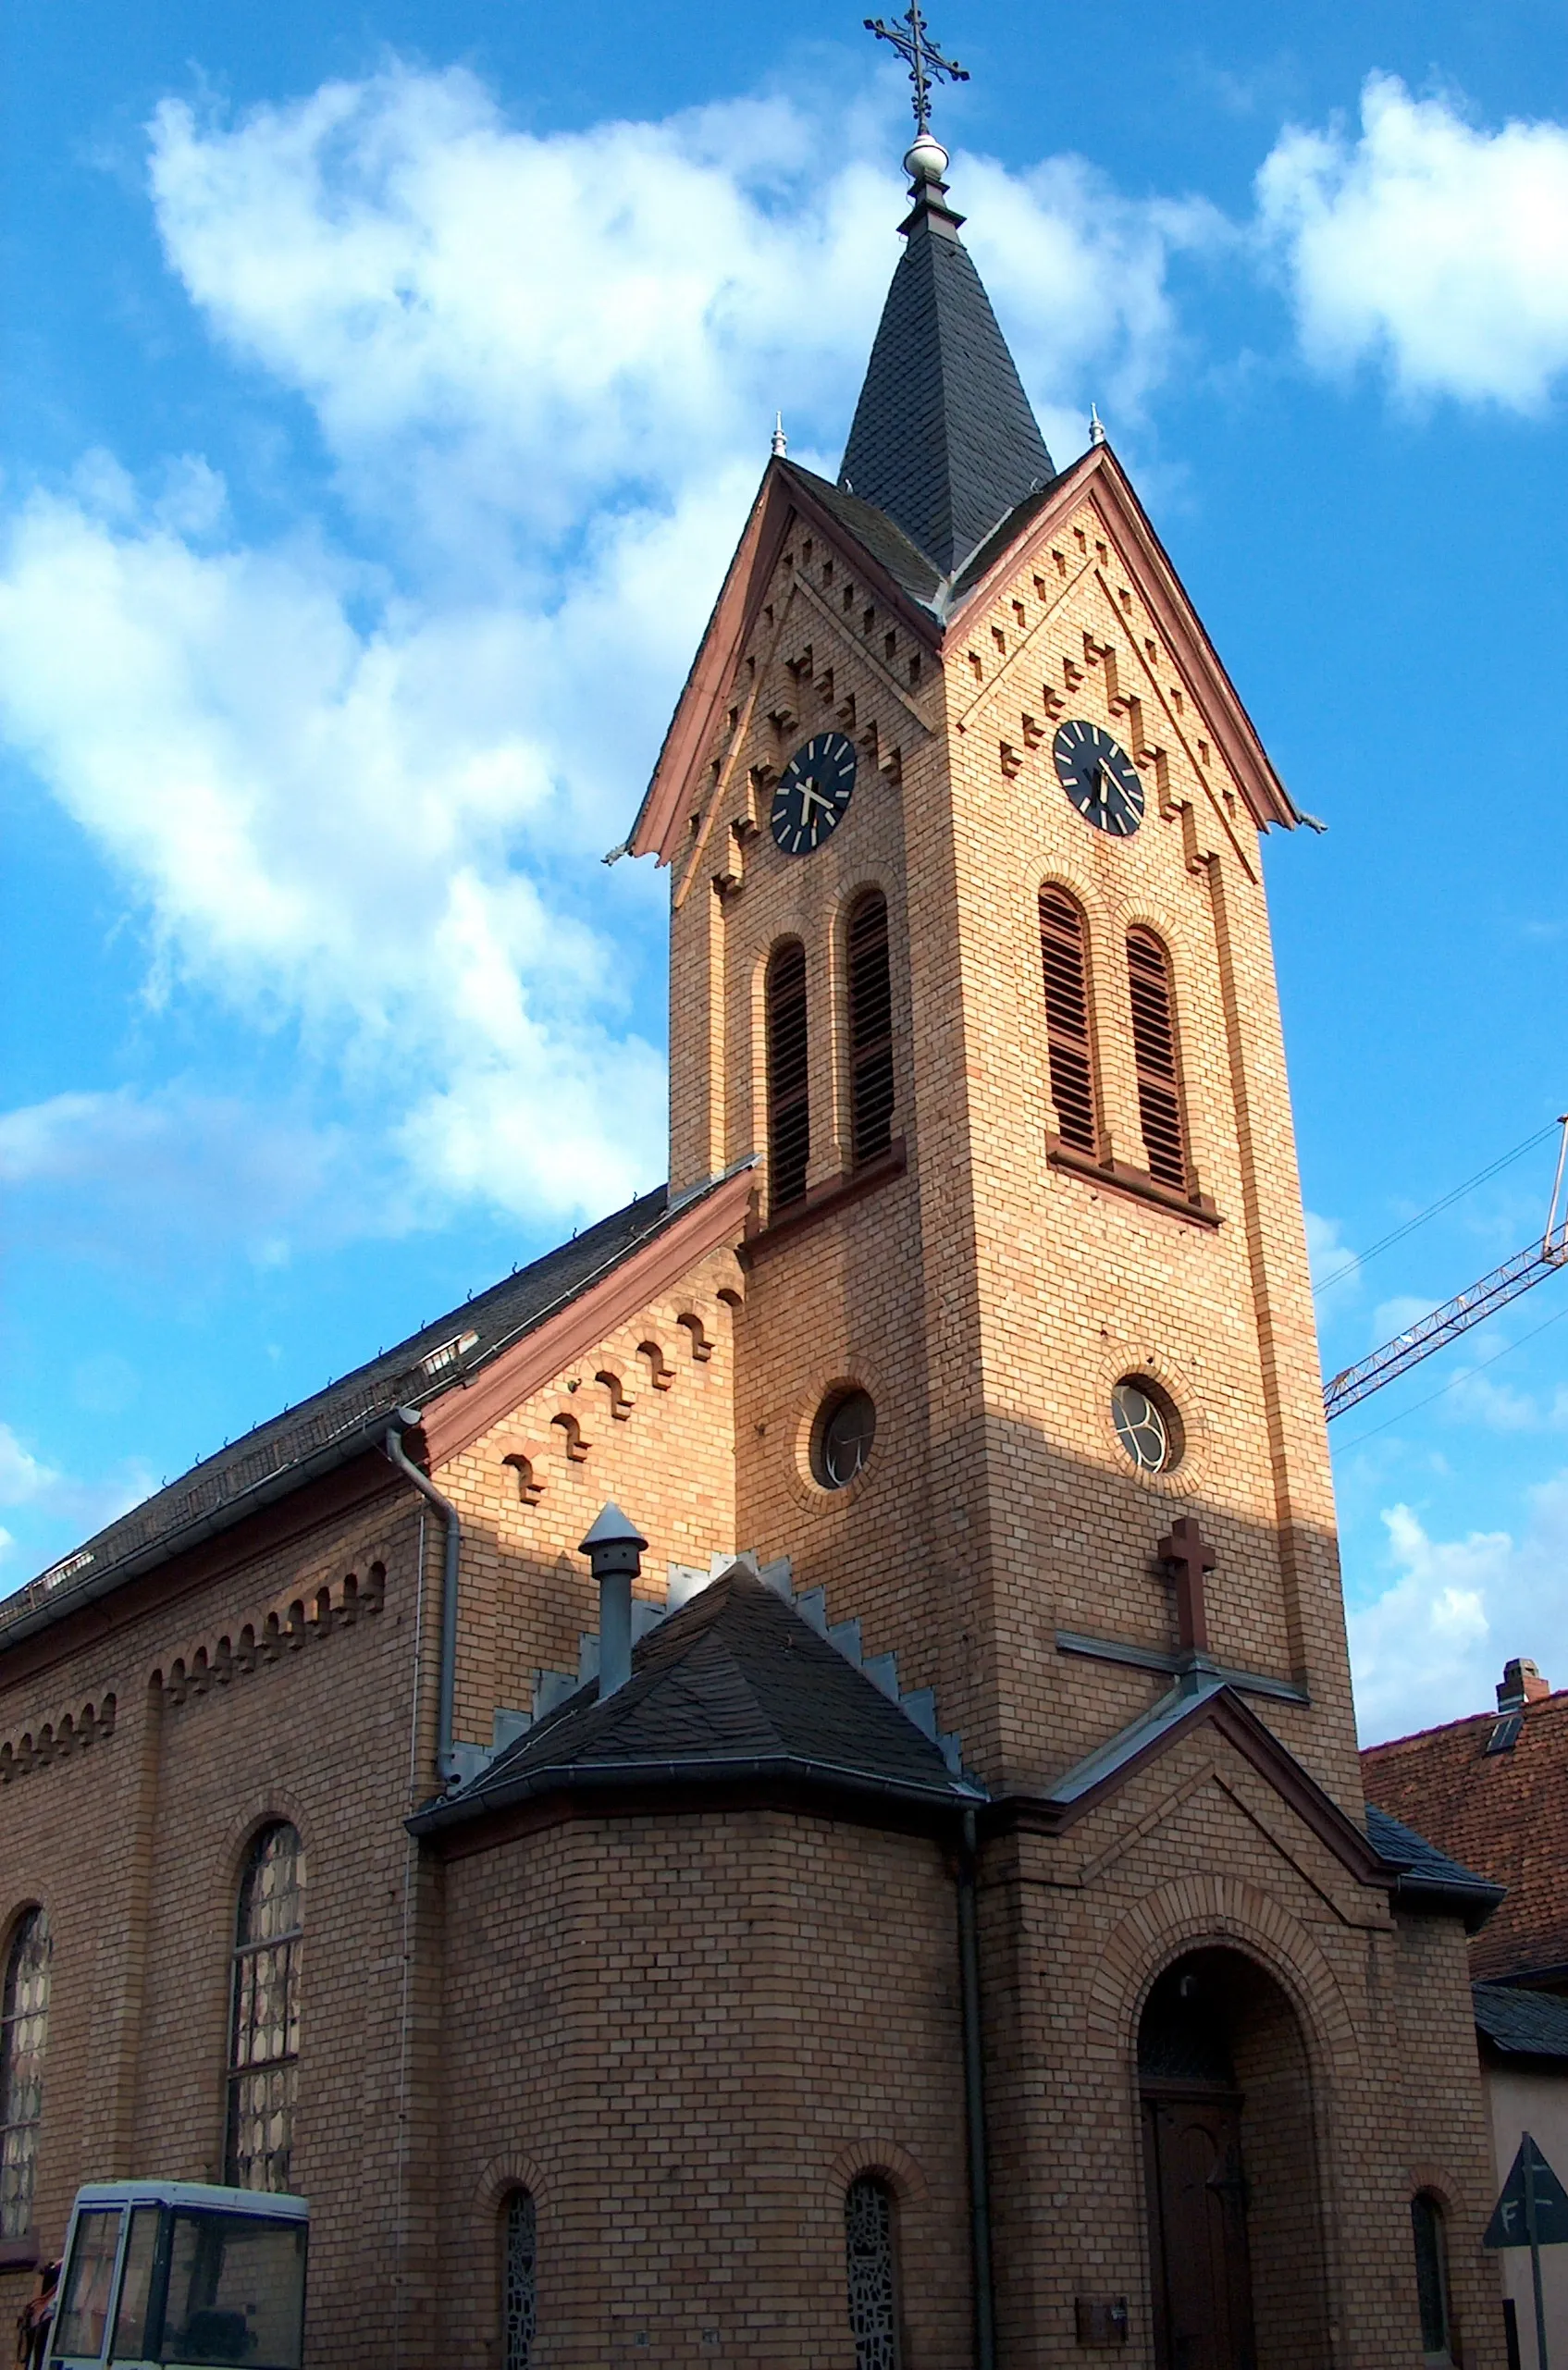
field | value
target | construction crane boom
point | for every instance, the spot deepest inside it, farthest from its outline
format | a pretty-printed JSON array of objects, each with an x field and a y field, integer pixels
[{"x": 1435, "y": 1331}]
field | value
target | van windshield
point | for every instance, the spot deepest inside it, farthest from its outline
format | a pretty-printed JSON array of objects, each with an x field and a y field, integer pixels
[{"x": 236, "y": 2291}]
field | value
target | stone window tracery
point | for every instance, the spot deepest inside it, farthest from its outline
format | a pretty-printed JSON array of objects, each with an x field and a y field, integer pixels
[
  {"x": 872, "y": 2262},
  {"x": 519, "y": 2263},
  {"x": 24, "y": 2029},
  {"x": 264, "y": 2051}
]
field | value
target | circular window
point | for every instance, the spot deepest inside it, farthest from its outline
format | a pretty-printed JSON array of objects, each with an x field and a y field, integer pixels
[
  {"x": 845, "y": 1429},
  {"x": 1146, "y": 1424}
]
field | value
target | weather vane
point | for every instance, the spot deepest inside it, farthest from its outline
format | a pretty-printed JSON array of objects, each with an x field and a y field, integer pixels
[{"x": 926, "y": 65}]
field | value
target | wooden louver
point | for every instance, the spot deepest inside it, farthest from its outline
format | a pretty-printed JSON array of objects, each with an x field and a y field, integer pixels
[
  {"x": 789, "y": 1112},
  {"x": 1063, "y": 953},
  {"x": 1153, "y": 1046},
  {"x": 870, "y": 1029}
]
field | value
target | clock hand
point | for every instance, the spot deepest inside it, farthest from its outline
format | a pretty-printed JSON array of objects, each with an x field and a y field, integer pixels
[{"x": 812, "y": 797}]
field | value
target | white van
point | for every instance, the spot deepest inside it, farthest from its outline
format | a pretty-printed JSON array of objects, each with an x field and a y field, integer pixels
[{"x": 166, "y": 2271}]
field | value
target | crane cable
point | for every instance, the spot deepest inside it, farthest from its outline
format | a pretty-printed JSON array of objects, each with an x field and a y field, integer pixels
[{"x": 1494, "y": 1169}]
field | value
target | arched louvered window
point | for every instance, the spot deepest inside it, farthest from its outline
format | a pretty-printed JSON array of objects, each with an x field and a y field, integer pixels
[
  {"x": 871, "y": 1028},
  {"x": 264, "y": 2050},
  {"x": 1064, "y": 951},
  {"x": 24, "y": 2029},
  {"x": 1155, "y": 1051},
  {"x": 870, "y": 2255},
  {"x": 789, "y": 1111},
  {"x": 519, "y": 2256}
]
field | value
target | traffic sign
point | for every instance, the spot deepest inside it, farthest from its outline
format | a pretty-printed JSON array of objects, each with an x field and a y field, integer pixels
[{"x": 1509, "y": 2225}]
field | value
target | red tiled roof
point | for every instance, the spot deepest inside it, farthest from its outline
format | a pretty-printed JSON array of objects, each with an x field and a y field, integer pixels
[{"x": 1503, "y": 1814}]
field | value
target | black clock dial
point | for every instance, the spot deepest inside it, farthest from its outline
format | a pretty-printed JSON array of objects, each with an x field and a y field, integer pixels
[
  {"x": 813, "y": 792},
  {"x": 1099, "y": 777}
]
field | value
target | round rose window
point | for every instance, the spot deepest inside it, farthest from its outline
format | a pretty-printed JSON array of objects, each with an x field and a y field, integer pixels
[
  {"x": 1146, "y": 1424},
  {"x": 845, "y": 1429}
]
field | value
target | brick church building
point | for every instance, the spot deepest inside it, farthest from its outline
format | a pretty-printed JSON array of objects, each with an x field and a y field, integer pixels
[{"x": 901, "y": 1893}]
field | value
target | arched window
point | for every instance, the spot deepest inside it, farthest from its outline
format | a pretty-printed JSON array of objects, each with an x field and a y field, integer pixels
[
  {"x": 1432, "y": 2278},
  {"x": 519, "y": 2255},
  {"x": 24, "y": 2029},
  {"x": 1064, "y": 951},
  {"x": 789, "y": 1114},
  {"x": 870, "y": 1029},
  {"x": 1155, "y": 1051},
  {"x": 870, "y": 2253},
  {"x": 264, "y": 2050}
]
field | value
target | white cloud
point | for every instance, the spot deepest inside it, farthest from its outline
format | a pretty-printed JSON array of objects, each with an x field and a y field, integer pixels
[
  {"x": 1432, "y": 246},
  {"x": 357, "y": 787},
  {"x": 1397, "y": 1316},
  {"x": 1432, "y": 1645},
  {"x": 23, "y": 1477},
  {"x": 58, "y": 1502}
]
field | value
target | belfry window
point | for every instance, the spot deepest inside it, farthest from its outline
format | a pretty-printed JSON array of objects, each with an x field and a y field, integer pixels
[
  {"x": 264, "y": 2050},
  {"x": 1064, "y": 953},
  {"x": 519, "y": 2255},
  {"x": 1155, "y": 1051},
  {"x": 24, "y": 2029},
  {"x": 789, "y": 1112},
  {"x": 870, "y": 2251},
  {"x": 870, "y": 1029}
]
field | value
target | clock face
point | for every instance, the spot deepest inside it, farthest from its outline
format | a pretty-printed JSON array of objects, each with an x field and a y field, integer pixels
[
  {"x": 1099, "y": 777},
  {"x": 813, "y": 792}
]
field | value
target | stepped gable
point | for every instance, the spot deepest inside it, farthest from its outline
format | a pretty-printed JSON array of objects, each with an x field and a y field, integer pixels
[
  {"x": 736, "y": 1685},
  {"x": 943, "y": 440},
  {"x": 1503, "y": 1812},
  {"x": 341, "y": 1422}
]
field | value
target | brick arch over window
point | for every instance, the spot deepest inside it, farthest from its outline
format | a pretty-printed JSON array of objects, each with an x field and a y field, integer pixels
[
  {"x": 789, "y": 1110},
  {"x": 24, "y": 2034},
  {"x": 1070, "y": 1035},
  {"x": 1157, "y": 1057},
  {"x": 869, "y": 978}
]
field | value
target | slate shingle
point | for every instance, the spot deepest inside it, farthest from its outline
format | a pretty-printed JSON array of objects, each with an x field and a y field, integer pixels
[
  {"x": 1522, "y": 2024},
  {"x": 1426, "y": 1873}
]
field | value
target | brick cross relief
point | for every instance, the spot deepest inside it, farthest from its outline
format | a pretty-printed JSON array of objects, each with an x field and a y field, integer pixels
[{"x": 1188, "y": 1557}]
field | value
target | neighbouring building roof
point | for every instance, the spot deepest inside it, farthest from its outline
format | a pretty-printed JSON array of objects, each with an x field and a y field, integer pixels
[
  {"x": 1504, "y": 1813},
  {"x": 943, "y": 440},
  {"x": 1522, "y": 2024},
  {"x": 341, "y": 1421},
  {"x": 1427, "y": 1877},
  {"x": 736, "y": 1687}
]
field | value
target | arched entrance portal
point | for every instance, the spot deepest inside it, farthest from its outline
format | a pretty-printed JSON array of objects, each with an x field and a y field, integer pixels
[{"x": 1235, "y": 2242}]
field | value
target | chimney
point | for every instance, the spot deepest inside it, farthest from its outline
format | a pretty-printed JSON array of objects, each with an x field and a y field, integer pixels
[
  {"x": 614, "y": 1549},
  {"x": 1522, "y": 1683}
]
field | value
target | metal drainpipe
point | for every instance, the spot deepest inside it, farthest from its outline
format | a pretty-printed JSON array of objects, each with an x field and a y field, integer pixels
[
  {"x": 974, "y": 2105},
  {"x": 397, "y": 1454}
]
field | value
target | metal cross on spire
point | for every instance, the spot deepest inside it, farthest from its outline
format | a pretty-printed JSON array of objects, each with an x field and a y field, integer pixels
[{"x": 926, "y": 65}]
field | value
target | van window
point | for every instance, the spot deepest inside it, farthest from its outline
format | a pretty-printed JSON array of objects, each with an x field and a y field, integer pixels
[
  {"x": 84, "y": 2299},
  {"x": 136, "y": 2287},
  {"x": 236, "y": 2291}
]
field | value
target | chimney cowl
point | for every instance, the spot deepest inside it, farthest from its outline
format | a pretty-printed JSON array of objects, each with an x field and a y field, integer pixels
[
  {"x": 613, "y": 1545},
  {"x": 614, "y": 1549},
  {"x": 1521, "y": 1683}
]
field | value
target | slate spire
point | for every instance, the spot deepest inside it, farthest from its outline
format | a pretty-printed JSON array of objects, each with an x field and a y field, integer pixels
[{"x": 943, "y": 441}]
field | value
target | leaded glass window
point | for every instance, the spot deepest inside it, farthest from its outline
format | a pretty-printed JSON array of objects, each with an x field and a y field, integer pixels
[
  {"x": 873, "y": 2272},
  {"x": 519, "y": 2257},
  {"x": 24, "y": 2029},
  {"x": 263, "y": 2053}
]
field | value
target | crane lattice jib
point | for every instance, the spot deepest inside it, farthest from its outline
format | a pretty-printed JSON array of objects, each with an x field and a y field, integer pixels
[{"x": 1527, "y": 1268}]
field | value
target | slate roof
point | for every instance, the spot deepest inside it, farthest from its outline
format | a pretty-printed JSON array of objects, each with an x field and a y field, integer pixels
[
  {"x": 1504, "y": 1814},
  {"x": 336, "y": 1424},
  {"x": 1522, "y": 2024},
  {"x": 735, "y": 1687},
  {"x": 943, "y": 441},
  {"x": 1427, "y": 1874},
  {"x": 879, "y": 535}
]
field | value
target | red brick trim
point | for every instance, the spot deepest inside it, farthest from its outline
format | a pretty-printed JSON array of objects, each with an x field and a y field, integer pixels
[
  {"x": 464, "y": 1414},
  {"x": 20, "y": 2255},
  {"x": 885, "y": 2156},
  {"x": 833, "y": 1194},
  {"x": 1119, "y": 1177}
]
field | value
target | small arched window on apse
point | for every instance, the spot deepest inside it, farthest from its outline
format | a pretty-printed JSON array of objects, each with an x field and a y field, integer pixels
[
  {"x": 24, "y": 2031},
  {"x": 1157, "y": 1055},
  {"x": 871, "y": 1028},
  {"x": 264, "y": 2048},
  {"x": 871, "y": 2246},
  {"x": 789, "y": 1111},
  {"x": 1430, "y": 2232},
  {"x": 1064, "y": 953},
  {"x": 519, "y": 2264}
]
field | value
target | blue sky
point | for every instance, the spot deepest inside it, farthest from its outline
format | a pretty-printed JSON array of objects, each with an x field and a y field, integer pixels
[{"x": 373, "y": 373}]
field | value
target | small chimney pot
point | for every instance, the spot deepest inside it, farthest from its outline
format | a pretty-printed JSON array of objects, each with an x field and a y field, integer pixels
[{"x": 614, "y": 1549}]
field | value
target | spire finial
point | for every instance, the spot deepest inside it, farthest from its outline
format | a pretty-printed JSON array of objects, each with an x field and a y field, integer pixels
[
  {"x": 926, "y": 65},
  {"x": 1096, "y": 426},
  {"x": 781, "y": 442}
]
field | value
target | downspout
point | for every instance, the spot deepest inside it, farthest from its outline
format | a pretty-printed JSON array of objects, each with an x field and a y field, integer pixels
[
  {"x": 974, "y": 2105},
  {"x": 393, "y": 1447}
]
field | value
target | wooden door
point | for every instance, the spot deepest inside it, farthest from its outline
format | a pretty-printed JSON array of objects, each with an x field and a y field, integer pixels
[{"x": 1197, "y": 2202}]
